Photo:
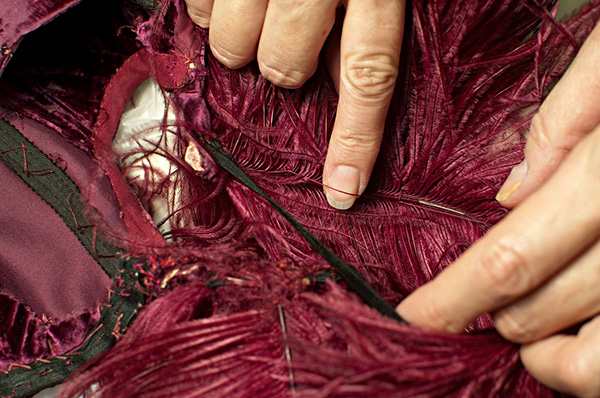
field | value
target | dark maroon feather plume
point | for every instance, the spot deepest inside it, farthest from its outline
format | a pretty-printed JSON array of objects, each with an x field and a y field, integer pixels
[{"x": 242, "y": 307}]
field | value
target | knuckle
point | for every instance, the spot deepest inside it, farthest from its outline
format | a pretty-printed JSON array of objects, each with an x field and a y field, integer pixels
[
  {"x": 352, "y": 142},
  {"x": 370, "y": 75},
  {"x": 283, "y": 76},
  {"x": 514, "y": 325},
  {"x": 229, "y": 58},
  {"x": 545, "y": 140},
  {"x": 505, "y": 269}
]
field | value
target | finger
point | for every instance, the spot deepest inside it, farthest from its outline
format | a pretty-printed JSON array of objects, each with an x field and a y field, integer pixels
[
  {"x": 235, "y": 29},
  {"x": 567, "y": 363},
  {"x": 292, "y": 38},
  {"x": 370, "y": 52},
  {"x": 570, "y": 112},
  {"x": 572, "y": 295},
  {"x": 528, "y": 247},
  {"x": 199, "y": 11}
]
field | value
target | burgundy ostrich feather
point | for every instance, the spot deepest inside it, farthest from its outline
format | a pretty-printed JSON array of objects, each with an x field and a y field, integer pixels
[{"x": 241, "y": 308}]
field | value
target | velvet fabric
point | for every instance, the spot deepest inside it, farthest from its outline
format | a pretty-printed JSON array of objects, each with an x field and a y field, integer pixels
[
  {"x": 27, "y": 337},
  {"x": 22, "y": 17}
]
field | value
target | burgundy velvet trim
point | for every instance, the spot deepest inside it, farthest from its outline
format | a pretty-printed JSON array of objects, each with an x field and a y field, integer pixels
[
  {"x": 26, "y": 337},
  {"x": 22, "y": 17},
  {"x": 119, "y": 90}
]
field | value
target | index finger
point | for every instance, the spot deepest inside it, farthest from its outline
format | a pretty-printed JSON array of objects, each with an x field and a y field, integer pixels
[
  {"x": 534, "y": 242},
  {"x": 369, "y": 56}
]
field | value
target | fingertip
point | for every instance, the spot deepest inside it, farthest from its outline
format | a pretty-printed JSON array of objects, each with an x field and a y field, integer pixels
[
  {"x": 291, "y": 40},
  {"x": 343, "y": 186},
  {"x": 339, "y": 201},
  {"x": 228, "y": 58},
  {"x": 350, "y": 159},
  {"x": 200, "y": 11},
  {"x": 506, "y": 195},
  {"x": 568, "y": 363},
  {"x": 200, "y": 20},
  {"x": 283, "y": 76},
  {"x": 235, "y": 29},
  {"x": 420, "y": 310},
  {"x": 551, "y": 362},
  {"x": 404, "y": 310}
]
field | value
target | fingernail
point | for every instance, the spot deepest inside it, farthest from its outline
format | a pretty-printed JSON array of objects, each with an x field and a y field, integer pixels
[
  {"x": 342, "y": 187},
  {"x": 514, "y": 180}
]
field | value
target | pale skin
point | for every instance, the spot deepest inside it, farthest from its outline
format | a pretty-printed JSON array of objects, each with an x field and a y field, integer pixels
[{"x": 538, "y": 271}]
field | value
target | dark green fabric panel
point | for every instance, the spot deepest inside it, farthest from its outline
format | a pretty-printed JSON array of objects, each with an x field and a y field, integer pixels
[{"x": 55, "y": 187}]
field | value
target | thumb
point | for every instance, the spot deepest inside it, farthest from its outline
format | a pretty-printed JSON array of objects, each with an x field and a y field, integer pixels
[
  {"x": 570, "y": 112},
  {"x": 369, "y": 54}
]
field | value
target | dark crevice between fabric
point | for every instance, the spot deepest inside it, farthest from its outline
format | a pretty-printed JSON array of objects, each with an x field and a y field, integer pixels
[{"x": 59, "y": 71}]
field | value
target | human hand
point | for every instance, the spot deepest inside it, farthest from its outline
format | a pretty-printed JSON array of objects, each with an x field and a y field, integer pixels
[
  {"x": 286, "y": 38},
  {"x": 538, "y": 271}
]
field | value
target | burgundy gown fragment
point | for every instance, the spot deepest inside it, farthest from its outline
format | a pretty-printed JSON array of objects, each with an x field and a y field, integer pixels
[{"x": 239, "y": 304}]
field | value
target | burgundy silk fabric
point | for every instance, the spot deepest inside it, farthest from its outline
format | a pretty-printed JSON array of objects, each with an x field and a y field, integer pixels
[{"x": 50, "y": 286}]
